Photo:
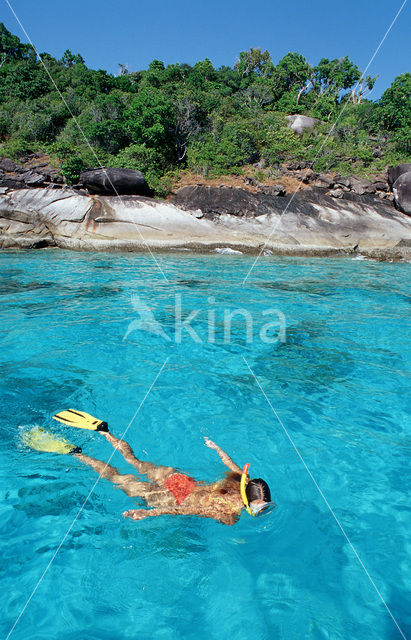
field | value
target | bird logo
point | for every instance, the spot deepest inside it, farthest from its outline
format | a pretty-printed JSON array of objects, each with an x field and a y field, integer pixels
[{"x": 146, "y": 322}]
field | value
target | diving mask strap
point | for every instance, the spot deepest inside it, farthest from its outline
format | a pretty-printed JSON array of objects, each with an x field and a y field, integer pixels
[{"x": 242, "y": 488}]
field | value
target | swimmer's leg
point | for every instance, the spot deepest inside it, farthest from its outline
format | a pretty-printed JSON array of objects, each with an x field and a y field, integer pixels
[
  {"x": 156, "y": 473},
  {"x": 126, "y": 482}
]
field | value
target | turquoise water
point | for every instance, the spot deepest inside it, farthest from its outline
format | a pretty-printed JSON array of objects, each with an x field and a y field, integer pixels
[{"x": 340, "y": 385}]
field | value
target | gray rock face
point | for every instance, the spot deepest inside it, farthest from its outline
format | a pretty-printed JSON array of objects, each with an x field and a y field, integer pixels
[
  {"x": 307, "y": 218},
  {"x": 395, "y": 172},
  {"x": 297, "y": 165},
  {"x": 273, "y": 190},
  {"x": 324, "y": 181},
  {"x": 342, "y": 181},
  {"x": 299, "y": 123},
  {"x": 8, "y": 165},
  {"x": 310, "y": 176},
  {"x": 380, "y": 186},
  {"x": 30, "y": 174},
  {"x": 402, "y": 192},
  {"x": 205, "y": 218},
  {"x": 251, "y": 181},
  {"x": 336, "y": 193},
  {"x": 32, "y": 178},
  {"x": 112, "y": 180},
  {"x": 361, "y": 186}
]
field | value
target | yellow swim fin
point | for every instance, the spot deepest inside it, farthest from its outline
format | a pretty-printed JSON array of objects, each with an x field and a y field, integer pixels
[
  {"x": 41, "y": 440},
  {"x": 81, "y": 420}
]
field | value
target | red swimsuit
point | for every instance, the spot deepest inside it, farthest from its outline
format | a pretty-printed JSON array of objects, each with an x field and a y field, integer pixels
[{"x": 180, "y": 486}]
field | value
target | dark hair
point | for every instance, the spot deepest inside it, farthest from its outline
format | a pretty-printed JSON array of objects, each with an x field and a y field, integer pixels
[{"x": 258, "y": 489}]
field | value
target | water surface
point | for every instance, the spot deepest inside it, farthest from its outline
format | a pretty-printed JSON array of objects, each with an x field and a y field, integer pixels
[{"x": 340, "y": 385}]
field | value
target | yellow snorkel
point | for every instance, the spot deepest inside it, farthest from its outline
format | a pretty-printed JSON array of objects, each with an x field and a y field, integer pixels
[{"x": 242, "y": 488}]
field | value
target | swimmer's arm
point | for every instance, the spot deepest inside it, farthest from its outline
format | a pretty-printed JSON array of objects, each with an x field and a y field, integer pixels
[
  {"x": 140, "y": 514},
  {"x": 223, "y": 455}
]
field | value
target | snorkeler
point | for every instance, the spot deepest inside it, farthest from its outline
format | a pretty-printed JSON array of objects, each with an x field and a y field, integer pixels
[{"x": 167, "y": 491}]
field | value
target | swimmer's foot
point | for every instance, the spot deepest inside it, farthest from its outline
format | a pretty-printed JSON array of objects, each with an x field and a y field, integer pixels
[
  {"x": 81, "y": 420},
  {"x": 41, "y": 440}
]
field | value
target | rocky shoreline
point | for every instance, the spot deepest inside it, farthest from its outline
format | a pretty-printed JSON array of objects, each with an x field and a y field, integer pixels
[
  {"x": 327, "y": 214},
  {"x": 199, "y": 218}
]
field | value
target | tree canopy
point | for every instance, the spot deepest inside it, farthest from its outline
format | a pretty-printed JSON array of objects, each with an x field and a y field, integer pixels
[{"x": 213, "y": 121}]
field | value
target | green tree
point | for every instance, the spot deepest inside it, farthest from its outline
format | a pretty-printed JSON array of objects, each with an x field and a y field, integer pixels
[
  {"x": 224, "y": 150},
  {"x": 395, "y": 104},
  {"x": 362, "y": 88},
  {"x": 292, "y": 74},
  {"x": 22, "y": 79},
  {"x": 12, "y": 49},
  {"x": 70, "y": 59},
  {"x": 332, "y": 76},
  {"x": 104, "y": 123},
  {"x": 149, "y": 120},
  {"x": 254, "y": 62}
]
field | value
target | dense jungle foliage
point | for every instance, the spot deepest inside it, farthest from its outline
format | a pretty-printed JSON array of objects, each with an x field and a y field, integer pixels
[{"x": 211, "y": 121}]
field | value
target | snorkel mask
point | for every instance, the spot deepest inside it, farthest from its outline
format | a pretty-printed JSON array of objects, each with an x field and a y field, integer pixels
[{"x": 254, "y": 510}]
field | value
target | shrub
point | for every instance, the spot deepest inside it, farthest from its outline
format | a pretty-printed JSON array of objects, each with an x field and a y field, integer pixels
[
  {"x": 17, "y": 147},
  {"x": 71, "y": 169},
  {"x": 282, "y": 144},
  {"x": 138, "y": 157}
]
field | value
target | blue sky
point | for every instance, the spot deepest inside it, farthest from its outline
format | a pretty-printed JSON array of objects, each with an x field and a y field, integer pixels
[{"x": 134, "y": 32}]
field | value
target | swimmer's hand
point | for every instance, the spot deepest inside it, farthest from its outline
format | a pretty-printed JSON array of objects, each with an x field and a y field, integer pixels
[
  {"x": 135, "y": 514},
  {"x": 223, "y": 455},
  {"x": 210, "y": 444}
]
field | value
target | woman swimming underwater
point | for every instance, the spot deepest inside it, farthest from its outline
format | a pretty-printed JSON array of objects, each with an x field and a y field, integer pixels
[{"x": 167, "y": 491}]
